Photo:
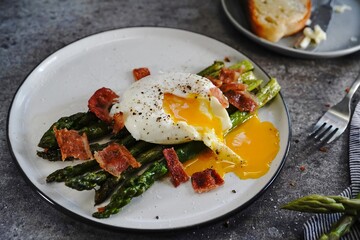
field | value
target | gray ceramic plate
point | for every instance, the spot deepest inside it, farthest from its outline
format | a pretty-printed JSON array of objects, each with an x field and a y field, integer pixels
[
  {"x": 62, "y": 84},
  {"x": 343, "y": 34}
]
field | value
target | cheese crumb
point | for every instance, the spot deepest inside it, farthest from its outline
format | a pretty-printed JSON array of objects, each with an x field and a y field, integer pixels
[{"x": 317, "y": 35}]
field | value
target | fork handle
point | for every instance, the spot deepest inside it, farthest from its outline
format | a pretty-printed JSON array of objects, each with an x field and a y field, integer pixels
[{"x": 353, "y": 88}]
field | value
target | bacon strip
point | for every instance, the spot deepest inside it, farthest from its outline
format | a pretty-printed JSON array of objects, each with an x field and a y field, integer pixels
[
  {"x": 119, "y": 122},
  {"x": 235, "y": 92},
  {"x": 177, "y": 172},
  {"x": 206, "y": 180},
  {"x": 242, "y": 100},
  {"x": 72, "y": 144},
  {"x": 234, "y": 86},
  {"x": 216, "y": 92},
  {"x": 229, "y": 75},
  {"x": 115, "y": 159},
  {"x": 100, "y": 102},
  {"x": 140, "y": 73}
]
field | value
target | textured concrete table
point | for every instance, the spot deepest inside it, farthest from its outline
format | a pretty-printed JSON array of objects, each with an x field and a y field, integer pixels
[{"x": 31, "y": 30}]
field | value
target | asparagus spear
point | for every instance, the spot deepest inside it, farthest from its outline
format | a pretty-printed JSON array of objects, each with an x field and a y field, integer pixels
[
  {"x": 111, "y": 183},
  {"x": 342, "y": 226},
  {"x": 71, "y": 171},
  {"x": 330, "y": 204},
  {"x": 252, "y": 84},
  {"x": 84, "y": 121},
  {"x": 61, "y": 175},
  {"x": 244, "y": 66},
  {"x": 324, "y": 204},
  {"x": 139, "y": 184},
  {"x": 213, "y": 70},
  {"x": 55, "y": 154},
  {"x": 106, "y": 189},
  {"x": 90, "y": 180}
]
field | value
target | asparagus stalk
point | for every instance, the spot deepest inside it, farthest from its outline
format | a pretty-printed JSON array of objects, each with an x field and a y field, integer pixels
[
  {"x": 252, "y": 84},
  {"x": 213, "y": 70},
  {"x": 71, "y": 171},
  {"x": 68, "y": 172},
  {"x": 90, "y": 180},
  {"x": 244, "y": 66},
  {"x": 84, "y": 122},
  {"x": 55, "y": 154},
  {"x": 324, "y": 204},
  {"x": 111, "y": 183},
  {"x": 342, "y": 226},
  {"x": 137, "y": 185},
  {"x": 106, "y": 189}
]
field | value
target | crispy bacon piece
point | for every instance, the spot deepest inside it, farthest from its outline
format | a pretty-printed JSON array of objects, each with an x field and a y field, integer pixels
[
  {"x": 234, "y": 86},
  {"x": 100, "y": 102},
  {"x": 229, "y": 75},
  {"x": 72, "y": 144},
  {"x": 177, "y": 172},
  {"x": 139, "y": 73},
  {"x": 242, "y": 100},
  {"x": 115, "y": 159},
  {"x": 119, "y": 122},
  {"x": 216, "y": 92},
  {"x": 206, "y": 180}
]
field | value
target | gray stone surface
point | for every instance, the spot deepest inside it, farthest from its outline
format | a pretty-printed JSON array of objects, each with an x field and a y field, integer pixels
[{"x": 30, "y": 30}]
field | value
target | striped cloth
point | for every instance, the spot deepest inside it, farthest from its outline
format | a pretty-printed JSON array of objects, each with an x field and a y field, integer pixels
[{"x": 321, "y": 223}]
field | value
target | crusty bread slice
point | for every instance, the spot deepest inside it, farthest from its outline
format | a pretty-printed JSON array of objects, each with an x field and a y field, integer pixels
[{"x": 274, "y": 19}]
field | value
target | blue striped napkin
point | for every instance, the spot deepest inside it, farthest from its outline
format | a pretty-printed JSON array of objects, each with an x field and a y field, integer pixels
[{"x": 321, "y": 223}]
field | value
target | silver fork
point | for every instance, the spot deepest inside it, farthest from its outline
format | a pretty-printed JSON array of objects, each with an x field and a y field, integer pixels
[{"x": 334, "y": 122}]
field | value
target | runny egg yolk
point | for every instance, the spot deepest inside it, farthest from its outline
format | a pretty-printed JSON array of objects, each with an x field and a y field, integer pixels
[
  {"x": 194, "y": 111},
  {"x": 254, "y": 141}
]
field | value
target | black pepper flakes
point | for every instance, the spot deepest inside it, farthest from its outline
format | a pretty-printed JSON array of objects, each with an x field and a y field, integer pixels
[
  {"x": 157, "y": 217},
  {"x": 233, "y": 191}
]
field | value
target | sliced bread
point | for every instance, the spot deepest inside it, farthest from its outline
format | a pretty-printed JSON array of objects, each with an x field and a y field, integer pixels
[{"x": 274, "y": 19}]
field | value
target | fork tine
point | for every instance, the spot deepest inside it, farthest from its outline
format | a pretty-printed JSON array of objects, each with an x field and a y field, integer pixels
[
  {"x": 318, "y": 126},
  {"x": 329, "y": 133},
  {"x": 335, "y": 136},
  {"x": 322, "y": 131}
]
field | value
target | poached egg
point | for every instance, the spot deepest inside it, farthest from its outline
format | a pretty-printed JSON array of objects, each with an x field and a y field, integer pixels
[{"x": 173, "y": 108}]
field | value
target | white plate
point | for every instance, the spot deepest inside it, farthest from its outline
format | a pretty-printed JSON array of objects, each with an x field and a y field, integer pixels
[
  {"x": 343, "y": 34},
  {"x": 61, "y": 86}
]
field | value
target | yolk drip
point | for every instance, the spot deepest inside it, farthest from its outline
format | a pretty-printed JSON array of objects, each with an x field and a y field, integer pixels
[
  {"x": 195, "y": 111},
  {"x": 254, "y": 141}
]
